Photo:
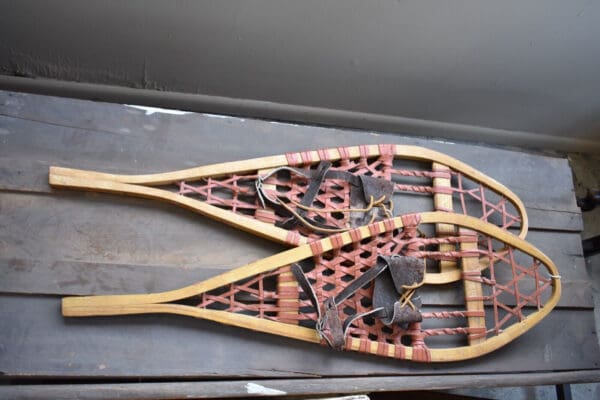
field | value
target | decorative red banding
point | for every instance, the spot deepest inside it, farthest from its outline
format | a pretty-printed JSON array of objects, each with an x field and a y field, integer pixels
[
  {"x": 348, "y": 345},
  {"x": 389, "y": 224},
  {"x": 387, "y": 149},
  {"x": 411, "y": 220},
  {"x": 286, "y": 277},
  {"x": 421, "y": 353},
  {"x": 476, "y": 331},
  {"x": 316, "y": 247},
  {"x": 375, "y": 229},
  {"x": 306, "y": 157},
  {"x": 323, "y": 154},
  {"x": 442, "y": 190},
  {"x": 468, "y": 232},
  {"x": 477, "y": 298},
  {"x": 265, "y": 215},
  {"x": 355, "y": 235},
  {"x": 474, "y": 313},
  {"x": 344, "y": 153},
  {"x": 478, "y": 336},
  {"x": 293, "y": 238},
  {"x": 336, "y": 241},
  {"x": 364, "y": 150},
  {"x": 439, "y": 174},
  {"x": 400, "y": 352},
  {"x": 293, "y": 159},
  {"x": 383, "y": 348},
  {"x": 441, "y": 171},
  {"x": 364, "y": 345}
]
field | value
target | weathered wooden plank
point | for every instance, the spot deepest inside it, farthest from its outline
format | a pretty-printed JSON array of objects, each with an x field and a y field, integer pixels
[
  {"x": 295, "y": 387},
  {"x": 114, "y": 137},
  {"x": 38, "y": 341},
  {"x": 59, "y": 236},
  {"x": 77, "y": 243},
  {"x": 99, "y": 229},
  {"x": 76, "y": 278},
  {"x": 24, "y": 175}
]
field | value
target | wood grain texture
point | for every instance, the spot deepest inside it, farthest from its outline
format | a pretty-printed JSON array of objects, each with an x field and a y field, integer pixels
[
  {"x": 75, "y": 278},
  {"x": 140, "y": 186},
  {"x": 443, "y": 201},
  {"x": 472, "y": 289},
  {"x": 38, "y": 341},
  {"x": 23, "y": 175},
  {"x": 48, "y": 235},
  {"x": 295, "y": 387},
  {"x": 127, "y": 304},
  {"x": 97, "y": 235},
  {"x": 124, "y": 140}
]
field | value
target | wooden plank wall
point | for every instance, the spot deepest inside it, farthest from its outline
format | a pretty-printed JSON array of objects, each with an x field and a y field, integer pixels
[{"x": 55, "y": 243}]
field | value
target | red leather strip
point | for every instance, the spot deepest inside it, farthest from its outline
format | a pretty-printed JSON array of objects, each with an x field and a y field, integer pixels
[
  {"x": 400, "y": 352},
  {"x": 306, "y": 157},
  {"x": 292, "y": 159},
  {"x": 383, "y": 348},
  {"x": 364, "y": 345},
  {"x": 316, "y": 247},
  {"x": 286, "y": 278},
  {"x": 364, "y": 150},
  {"x": 387, "y": 149},
  {"x": 323, "y": 154},
  {"x": 375, "y": 229},
  {"x": 421, "y": 353},
  {"x": 293, "y": 238},
  {"x": 336, "y": 241},
  {"x": 344, "y": 153},
  {"x": 442, "y": 190},
  {"x": 355, "y": 235},
  {"x": 389, "y": 224},
  {"x": 265, "y": 215},
  {"x": 411, "y": 220}
]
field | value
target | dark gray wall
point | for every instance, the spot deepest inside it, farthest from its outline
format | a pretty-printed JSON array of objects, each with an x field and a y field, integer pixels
[{"x": 524, "y": 66}]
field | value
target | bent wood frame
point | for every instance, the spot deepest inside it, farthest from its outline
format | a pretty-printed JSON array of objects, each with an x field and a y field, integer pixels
[
  {"x": 141, "y": 186},
  {"x": 158, "y": 302}
]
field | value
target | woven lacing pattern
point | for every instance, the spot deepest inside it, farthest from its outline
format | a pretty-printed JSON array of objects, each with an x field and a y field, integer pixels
[
  {"x": 237, "y": 193},
  {"x": 333, "y": 270}
]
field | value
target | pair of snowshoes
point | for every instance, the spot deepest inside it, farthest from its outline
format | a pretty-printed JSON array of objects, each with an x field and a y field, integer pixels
[{"x": 374, "y": 230}]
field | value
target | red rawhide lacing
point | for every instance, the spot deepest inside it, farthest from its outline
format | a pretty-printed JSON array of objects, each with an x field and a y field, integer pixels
[
  {"x": 512, "y": 288},
  {"x": 237, "y": 193}
]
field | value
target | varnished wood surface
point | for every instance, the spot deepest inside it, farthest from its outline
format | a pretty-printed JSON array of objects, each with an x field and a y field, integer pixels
[
  {"x": 158, "y": 303},
  {"x": 472, "y": 289},
  {"x": 111, "y": 244},
  {"x": 143, "y": 186}
]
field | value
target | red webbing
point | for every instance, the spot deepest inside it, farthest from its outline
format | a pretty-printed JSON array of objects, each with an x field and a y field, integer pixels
[
  {"x": 226, "y": 192},
  {"x": 238, "y": 193},
  {"x": 333, "y": 270}
]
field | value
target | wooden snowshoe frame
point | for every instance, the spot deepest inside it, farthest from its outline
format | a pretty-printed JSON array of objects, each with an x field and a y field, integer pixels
[
  {"x": 508, "y": 289},
  {"x": 451, "y": 183}
]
